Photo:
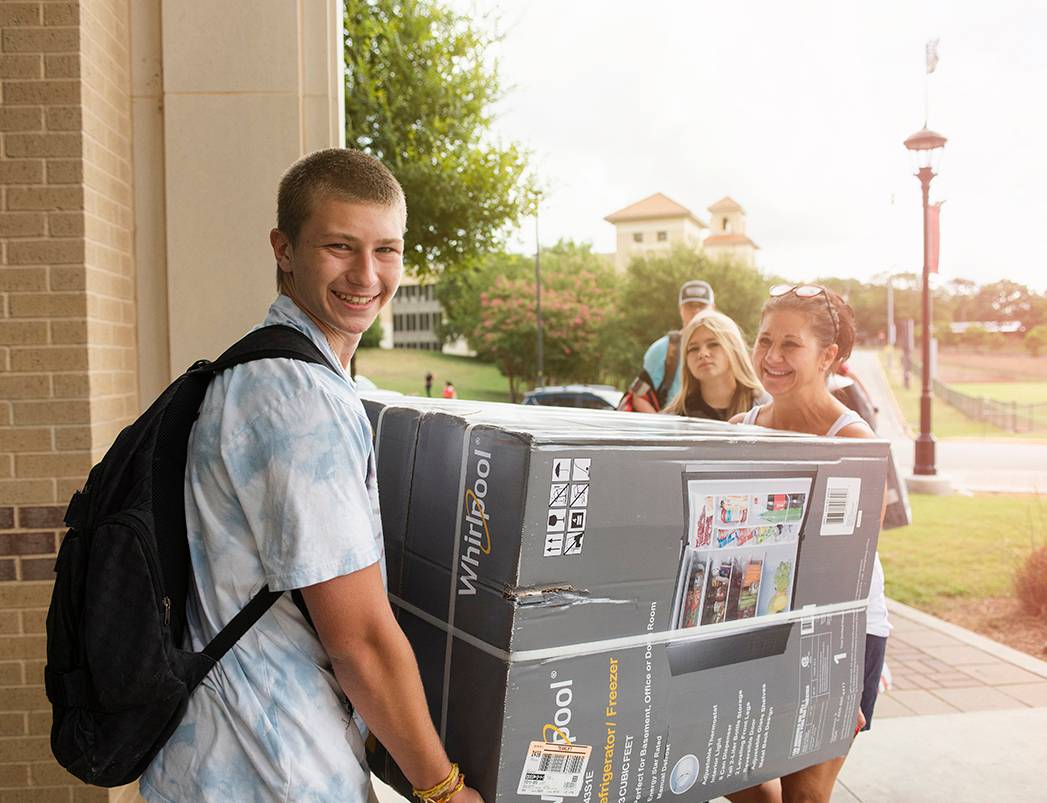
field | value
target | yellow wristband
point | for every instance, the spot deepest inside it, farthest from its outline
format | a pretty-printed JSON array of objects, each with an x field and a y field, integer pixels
[
  {"x": 458, "y": 786},
  {"x": 438, "y": 791}
]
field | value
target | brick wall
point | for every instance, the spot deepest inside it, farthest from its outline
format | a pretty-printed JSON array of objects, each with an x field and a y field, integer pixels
[{"x": 67, "y": 351}]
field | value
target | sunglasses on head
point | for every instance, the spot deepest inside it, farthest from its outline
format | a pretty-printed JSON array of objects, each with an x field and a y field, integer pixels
[{"x": 809, "y": 291}]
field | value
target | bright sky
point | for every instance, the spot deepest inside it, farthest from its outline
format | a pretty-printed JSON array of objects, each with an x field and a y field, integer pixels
[{"x": 797, "y": 110}]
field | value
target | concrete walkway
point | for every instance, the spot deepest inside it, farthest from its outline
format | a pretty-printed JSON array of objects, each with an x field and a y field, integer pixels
[{"x": 965, "y": 721}]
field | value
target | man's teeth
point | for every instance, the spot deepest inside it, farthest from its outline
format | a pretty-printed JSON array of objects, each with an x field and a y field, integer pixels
[
  {"x": 352, "y": 299},
  {"x": 776, "y": 373}
]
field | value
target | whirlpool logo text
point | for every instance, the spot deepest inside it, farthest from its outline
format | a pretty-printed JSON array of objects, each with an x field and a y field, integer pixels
[{"x": 476, "y": 533}]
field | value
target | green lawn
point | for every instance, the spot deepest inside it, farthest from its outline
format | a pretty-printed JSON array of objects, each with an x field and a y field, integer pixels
[
  {"x": 961, "y": 546},
  {"x": 404, "y": 370},
  {"x": 946, "y": 421},
  {"x": 1021, "y": 392}
]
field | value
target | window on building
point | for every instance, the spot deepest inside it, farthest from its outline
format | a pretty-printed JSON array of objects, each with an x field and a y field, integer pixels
[
  {"x": 638, "y": 237},
  {"x": 663, "y": 236},
  {"x": 726, "y": 226}
]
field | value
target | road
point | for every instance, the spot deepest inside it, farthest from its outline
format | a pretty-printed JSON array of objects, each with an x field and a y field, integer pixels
[{"x": 973, "y": 464}]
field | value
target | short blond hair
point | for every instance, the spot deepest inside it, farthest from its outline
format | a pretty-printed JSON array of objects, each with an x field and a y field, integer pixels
[{"x": 342, "y": 173}]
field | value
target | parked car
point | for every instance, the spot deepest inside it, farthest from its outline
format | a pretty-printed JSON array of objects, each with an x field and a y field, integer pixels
[
  {"x": 369, "y": 390},
  {"x": 592, "y": 397}
]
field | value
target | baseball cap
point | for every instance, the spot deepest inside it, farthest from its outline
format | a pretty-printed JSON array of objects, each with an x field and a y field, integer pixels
[{"x": 696, "y": 292}]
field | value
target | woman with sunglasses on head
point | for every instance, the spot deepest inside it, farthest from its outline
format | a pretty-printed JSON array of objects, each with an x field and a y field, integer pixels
[
  {"x": 806, "y": 331},
  {"x": 718, "y": 380}
]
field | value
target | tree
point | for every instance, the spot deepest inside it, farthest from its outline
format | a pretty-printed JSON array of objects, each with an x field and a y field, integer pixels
[
  {"x": 493, "y": 307},
  {"x": 419, "y": 90},
  {"x": 1036, "y": 339},
  {"x": 372, "y": 338},
  {"x": 648, "y": 305},
  {"x": 869, "y": 302},
  {"x": 1008, "y": 301},
  {"x": 976, "y": 337}
]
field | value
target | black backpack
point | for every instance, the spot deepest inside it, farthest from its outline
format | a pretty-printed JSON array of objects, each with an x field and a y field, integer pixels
[
  {"x": 116, "y": 674},
  {"x": 643, "y": 386}
]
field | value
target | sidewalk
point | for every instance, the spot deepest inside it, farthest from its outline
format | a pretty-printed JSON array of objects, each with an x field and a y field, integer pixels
[{"x": 965, "y": 721}]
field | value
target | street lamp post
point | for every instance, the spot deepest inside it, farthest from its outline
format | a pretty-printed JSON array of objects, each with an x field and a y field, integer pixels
[
  {"x": 926, "y": 148},
  {"x": 538, "y": 300}
]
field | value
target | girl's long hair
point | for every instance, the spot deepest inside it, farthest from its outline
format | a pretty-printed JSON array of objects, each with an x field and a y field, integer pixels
[{"x": 729, "y": 336}]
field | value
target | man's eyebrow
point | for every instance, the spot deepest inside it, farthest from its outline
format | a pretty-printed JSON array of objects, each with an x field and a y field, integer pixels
[{"x": 341, "y": 235}]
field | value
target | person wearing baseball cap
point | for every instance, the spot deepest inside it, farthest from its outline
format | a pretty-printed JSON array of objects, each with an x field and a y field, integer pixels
[
  {"x": 695, "y": 292},
  {"x": 650, "y": 390}
]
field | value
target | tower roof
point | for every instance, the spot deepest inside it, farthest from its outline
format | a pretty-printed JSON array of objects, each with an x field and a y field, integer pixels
[
  {"x": 727, "y": 240},
  {"x": 651, "y": 207},
  {"x": 726, "y": 204}
]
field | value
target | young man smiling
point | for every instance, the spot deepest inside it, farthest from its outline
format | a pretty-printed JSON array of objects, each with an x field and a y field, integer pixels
[{"x": 280, "y": 490}]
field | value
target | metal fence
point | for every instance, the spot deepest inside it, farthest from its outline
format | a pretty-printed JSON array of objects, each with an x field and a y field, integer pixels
[{"x": 1010, "y": 415}]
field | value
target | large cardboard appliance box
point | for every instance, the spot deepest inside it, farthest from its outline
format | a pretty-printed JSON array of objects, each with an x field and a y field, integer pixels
[{"x": 626, "y": 607}]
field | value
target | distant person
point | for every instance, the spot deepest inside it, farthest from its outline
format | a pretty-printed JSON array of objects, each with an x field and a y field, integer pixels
[
  {"x": 718, "y": 376},
  {"x": 449, "y": 391},
  {"x": 806, "y": 331},
  {"x": 428, "y": 383},
  {"x": 659, "y": 380}
]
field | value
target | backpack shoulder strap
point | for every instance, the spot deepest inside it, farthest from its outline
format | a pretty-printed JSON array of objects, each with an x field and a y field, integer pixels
[
  {"x": 672, "y": 358},
  {"x": 269, "y": 342}
]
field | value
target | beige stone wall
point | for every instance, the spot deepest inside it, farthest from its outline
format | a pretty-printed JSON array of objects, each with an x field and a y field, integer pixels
[
  {"x": 141, "y": 141},
  {"x": 67, "y": 350}
]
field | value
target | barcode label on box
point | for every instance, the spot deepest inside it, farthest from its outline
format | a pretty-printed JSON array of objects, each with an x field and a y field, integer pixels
[
  {"x": 841, "y": 505},
  {"x": 554, "y": 769}
]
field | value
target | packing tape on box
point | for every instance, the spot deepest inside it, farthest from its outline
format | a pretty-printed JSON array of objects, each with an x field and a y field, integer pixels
[{"x": 681, "y": 635}]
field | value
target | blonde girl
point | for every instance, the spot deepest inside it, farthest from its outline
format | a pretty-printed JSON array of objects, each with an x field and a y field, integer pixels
[{"x": 718, "y": 380}]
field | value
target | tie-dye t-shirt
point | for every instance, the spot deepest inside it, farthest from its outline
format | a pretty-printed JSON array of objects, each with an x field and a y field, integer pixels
[{"x": 280, "y": 489}]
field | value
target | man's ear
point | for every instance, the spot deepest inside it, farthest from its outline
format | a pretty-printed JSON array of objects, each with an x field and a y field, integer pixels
[{"x": 281, "y": 249}]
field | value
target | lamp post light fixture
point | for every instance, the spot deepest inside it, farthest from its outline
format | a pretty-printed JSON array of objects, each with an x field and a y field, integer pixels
[{"x": 926, "y": 148}]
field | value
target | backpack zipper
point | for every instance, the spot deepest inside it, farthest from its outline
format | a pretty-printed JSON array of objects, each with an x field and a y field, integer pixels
[{"x": 135, "y": 521}]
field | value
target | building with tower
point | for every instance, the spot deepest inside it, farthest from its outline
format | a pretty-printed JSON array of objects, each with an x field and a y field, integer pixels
[{"x": 658, "y": 223}]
